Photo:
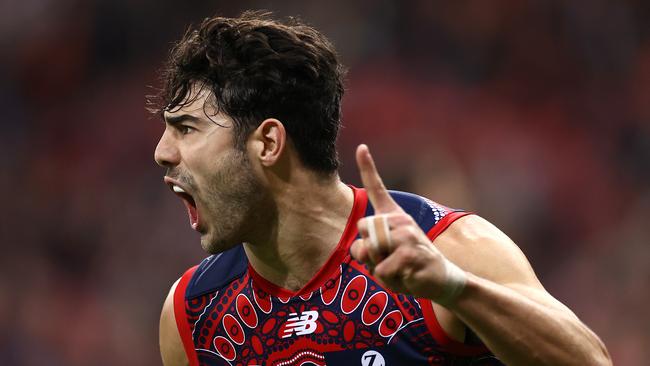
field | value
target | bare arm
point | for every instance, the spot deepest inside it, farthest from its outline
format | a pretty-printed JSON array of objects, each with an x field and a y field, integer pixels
[
  {"x": 171, "y": 346},
  {"x": 507, "y": 307},
  {"x": 502, "y": 300}
]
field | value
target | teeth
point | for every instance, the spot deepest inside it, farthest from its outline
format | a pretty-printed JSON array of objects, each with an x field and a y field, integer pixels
[{"x": 178, "y": 189}]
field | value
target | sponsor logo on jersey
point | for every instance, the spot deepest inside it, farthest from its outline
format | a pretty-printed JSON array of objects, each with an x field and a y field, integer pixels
[
  {"x": 301, "y": 325},
  {"x": 372, "y": 358}
]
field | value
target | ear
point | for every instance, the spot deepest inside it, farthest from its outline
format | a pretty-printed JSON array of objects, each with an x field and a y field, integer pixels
[{"x": 269, "y": 140}]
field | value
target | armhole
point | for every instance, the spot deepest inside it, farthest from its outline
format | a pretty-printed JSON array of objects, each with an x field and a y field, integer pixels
[
  {"x": 430, "y": 319},
  {"x": 444, "y": 223},
  {"x": 181, "y": 317},
  {"x": 442, "y": 338}
]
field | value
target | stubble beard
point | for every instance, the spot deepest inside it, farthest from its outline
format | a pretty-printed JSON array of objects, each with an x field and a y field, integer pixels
[{"x": 237, "y": 203}]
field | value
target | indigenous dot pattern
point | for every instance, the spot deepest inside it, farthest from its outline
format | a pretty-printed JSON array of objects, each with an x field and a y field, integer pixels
[
  {"x": 241, "y": 324},
  {"x": 400, "y": 323}
]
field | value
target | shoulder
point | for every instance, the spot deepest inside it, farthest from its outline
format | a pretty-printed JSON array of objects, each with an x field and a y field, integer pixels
[
  {"x": 217, "y": 271},
  {"x": 213, "y": 273},
  {"x": 432, "y": 217},
  {"x": 171, "y": 346},
  {"x": 468, "y": 240},
  {"x": 479, "y": 247}
]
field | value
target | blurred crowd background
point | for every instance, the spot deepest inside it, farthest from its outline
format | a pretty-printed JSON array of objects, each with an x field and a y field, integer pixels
[{"x": 534, "y": 114}]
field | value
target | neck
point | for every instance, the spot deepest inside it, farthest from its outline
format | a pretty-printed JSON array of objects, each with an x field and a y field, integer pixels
[{"x": 311, "y": 217}]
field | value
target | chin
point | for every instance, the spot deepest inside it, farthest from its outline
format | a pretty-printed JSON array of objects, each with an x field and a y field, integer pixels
[{"x": 214, "y": 245}]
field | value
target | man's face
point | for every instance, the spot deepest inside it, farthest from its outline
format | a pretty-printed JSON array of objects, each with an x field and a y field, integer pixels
[{"x": 213, "y": 177}]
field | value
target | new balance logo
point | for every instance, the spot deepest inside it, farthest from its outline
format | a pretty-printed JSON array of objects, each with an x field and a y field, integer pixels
[{"x": 301, "y": 325}]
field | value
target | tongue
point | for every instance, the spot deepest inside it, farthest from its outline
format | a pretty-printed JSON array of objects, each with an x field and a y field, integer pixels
[
  {"x": 194, "y": 217},
  {"x": 193, "y": 214}
]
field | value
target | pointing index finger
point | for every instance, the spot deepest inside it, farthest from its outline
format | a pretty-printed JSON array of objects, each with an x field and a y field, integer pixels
[{"x": 377, "y": 193}]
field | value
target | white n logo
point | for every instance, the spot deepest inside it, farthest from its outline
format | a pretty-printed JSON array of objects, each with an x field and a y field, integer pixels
[{"x": 301, "y": 325}]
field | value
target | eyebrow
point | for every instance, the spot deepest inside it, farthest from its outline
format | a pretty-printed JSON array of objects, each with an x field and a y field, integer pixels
[{"x": 174, "y": 120}]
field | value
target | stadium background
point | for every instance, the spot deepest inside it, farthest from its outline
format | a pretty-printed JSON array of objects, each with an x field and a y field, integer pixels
[{"x": 535, "y": 114}]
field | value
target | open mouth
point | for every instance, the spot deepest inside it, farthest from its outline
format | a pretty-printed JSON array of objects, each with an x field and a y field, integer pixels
[{"x": 190, "y": 204}]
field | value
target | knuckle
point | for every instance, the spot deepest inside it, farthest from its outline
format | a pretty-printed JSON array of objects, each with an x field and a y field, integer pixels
[
  {"x": 411, "y": 232},
  {"x": 373, "y": 254},
  {"x": 400, "y": 219},
  {"x": 406, "y": 218},
  {"x": 355, "y": 250},
  {"x": 410, "y": 219},
  {"x": 407, "y": 254},
  {"x": 381, "y": 271},
  {"x": 356, "y": 245},
  {"x": 401, "y": 235},
  {"x": 396, "y": 235}
]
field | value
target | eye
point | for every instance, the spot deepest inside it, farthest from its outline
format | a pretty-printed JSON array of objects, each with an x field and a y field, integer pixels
[{"x": 184, "y": 129}]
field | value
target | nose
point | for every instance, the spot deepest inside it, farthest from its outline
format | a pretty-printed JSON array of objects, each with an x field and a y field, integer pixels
[{"x": 167, "y": 154}]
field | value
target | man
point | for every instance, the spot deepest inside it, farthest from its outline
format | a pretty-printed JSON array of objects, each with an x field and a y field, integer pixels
[{"x": 306, "y": 270}]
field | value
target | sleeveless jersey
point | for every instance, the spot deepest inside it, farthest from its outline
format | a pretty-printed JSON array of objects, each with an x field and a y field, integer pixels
[{"x": 227, "y": 314}]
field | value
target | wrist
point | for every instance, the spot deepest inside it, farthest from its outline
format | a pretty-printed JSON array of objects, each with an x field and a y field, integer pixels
[{"x": 454, "y": 286}]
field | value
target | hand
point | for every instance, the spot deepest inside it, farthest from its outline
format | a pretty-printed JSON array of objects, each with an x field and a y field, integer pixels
[{"x": 402, "y": 257}]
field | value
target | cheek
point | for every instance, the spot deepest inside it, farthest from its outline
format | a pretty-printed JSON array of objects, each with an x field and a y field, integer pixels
[
  {"x": 203, "y": 161},
  {"x": 222, "y": 174}
]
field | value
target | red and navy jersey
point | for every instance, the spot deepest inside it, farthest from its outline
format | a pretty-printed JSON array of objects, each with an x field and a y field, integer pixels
[{"x": 227, "y": 314}]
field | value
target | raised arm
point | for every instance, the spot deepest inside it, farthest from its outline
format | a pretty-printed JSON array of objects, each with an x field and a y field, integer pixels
[{"x": 479, "y": 275}]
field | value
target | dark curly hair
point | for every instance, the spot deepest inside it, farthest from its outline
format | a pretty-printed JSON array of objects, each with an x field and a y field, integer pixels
[{"x": 257, "y": 68}]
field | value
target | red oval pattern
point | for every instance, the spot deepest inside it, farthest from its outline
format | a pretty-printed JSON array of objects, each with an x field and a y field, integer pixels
[
  {"x": 374, "y": 308},
  {"x": 263, "y": 301},
  {"x": 348, "y": 331},
  {"x": 353, "y": 294},
  {"x": 329, "y": 316},
  {"x": 246, "y": 311},
  {"x": 268, "y": 325},
  {"x": 331, "y": 289},
  {"x": 391, "y": 323},
  {"x": 319, "y": 327},
  {"x": 233, "y": 329},
  {"x": 257, "y": 345},
  {"x": 224, "y": 348}
]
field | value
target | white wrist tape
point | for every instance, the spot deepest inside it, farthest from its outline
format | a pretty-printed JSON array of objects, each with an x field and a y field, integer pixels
[{"x": 454, "y": 284}]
